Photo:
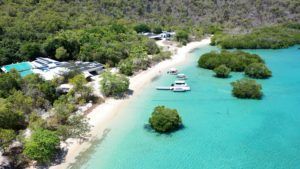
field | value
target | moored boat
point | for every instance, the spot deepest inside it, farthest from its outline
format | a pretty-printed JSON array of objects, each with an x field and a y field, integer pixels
[
  {"x": 173, "y": 71},
  {"x": 181, "y": 76}
]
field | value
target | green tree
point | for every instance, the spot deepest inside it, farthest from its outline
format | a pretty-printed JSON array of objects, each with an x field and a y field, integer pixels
[
  {"x": 114, "y": 84},
  {"x": 142, "y": 28},
  {"x": 80, "y": 91},
  {"x": 6, "y": 137},
  {"x": 157, "y": 30},
  {"x": 182, "y": 36},
  {"x": 8, "y": 82},
  {"x": 17, "y": 101},
  {"x": 126, "y": 67},
  {"x": 152, "y": 48},
  {"x": 42, "y": 146},
  {"x": 61, "y": 53},
  {"x": 10, "y": 119},
  {"x": 164, "y": 119},
  {"x": 31, "y": 50},
  {"x": 246, "y": 89},
  {"x": 258, "y": 70},
  {"x": 222, "y": 71},
  {"x": 63, "y": 108}
]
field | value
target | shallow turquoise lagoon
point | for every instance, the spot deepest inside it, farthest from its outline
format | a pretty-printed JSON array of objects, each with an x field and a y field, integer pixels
[{"x": 220, "y": 131}]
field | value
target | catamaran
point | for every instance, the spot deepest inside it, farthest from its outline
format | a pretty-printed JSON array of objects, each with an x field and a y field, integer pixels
[{"x": 177, "y": 86}]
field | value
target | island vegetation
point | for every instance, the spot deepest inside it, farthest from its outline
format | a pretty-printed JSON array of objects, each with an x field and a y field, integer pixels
[
  {"x": 272, "y": 37},
  {"x": 258, "y": 70},
  {"x": 222, "y": 71},
  {"x": 237, "y": 61},
  {"x": 247, "y": 89},
  {"x": 165, "y": 120}
]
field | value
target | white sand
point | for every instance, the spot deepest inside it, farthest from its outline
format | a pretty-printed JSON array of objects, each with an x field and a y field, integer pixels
[{"x": 105, "y": 112}]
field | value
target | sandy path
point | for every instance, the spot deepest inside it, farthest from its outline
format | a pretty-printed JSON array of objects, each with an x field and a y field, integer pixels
[{"x": 104, "y": 113}]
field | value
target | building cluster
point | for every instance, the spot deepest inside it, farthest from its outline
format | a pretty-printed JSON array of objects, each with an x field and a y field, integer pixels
[{"x": 49, "y": 68}]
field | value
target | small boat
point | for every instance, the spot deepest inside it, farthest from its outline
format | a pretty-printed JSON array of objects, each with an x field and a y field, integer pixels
[
  {"x": 181, "y": 76},
  {"x": 177, "y": 86},
  {"x": 173, "y": 71},
  {"x": 180, "y": 86}
]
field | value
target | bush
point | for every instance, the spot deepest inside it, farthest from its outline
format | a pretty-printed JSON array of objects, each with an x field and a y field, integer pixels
[
  {"x": 182, "y": 36},
  {"x": 246, "y": 89},
  {"x": 142, "y": 28},
  {"x": 164, "y": 119},
  {"x": 114, "y": 84},
  {"x": 152, "y": 48},
  {"x": 42, "y": 146},
  {"x": 222, "y": 71},
  {"x": 10, "y": 119},
  {"x": 6, "y": 137},
  {"x": 237, "y": 61},
  {"x": 157, "y": 30},
  {"x": 126, "y": 67},
  {"x": 258, "y": 70}
]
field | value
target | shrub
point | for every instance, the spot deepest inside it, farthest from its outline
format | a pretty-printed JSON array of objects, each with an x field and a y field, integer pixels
[
  {"x": 157, "y": 30},
  {"x": 165, "y": 119},
  {"x": 237, "y": 61},
  {"x": 114, "y": 84},
  {"x": 142, "y": 28},
  {"x": 152, "y": 48},
  {"x": 246, "y": 89},
  {"x": 182, "y": 36},
  {"x": 126, "y": 67},
  {"x": 10, "y": 119},
  {"x": 258, "y": 70},
  {"x": 222, "y": 71},
  {"x": 6, "y": 137},
  {"x": 42, "y": 146}
]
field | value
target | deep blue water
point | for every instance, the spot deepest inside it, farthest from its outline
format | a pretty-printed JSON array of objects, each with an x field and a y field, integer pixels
[{"x": 220, "y": 131}]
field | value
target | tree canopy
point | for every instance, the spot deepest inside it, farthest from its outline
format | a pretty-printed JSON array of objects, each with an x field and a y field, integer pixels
[
  {"x": 114, "y": 84},
  {"x": 42, "y": 146},
  {"x": 164, "y": 119},
  {"x": 247, "y": 89},
  {"x": 222, "y": 71},
  {"x": 237, "y": 61},
  {"x": 258, "y": 70}
]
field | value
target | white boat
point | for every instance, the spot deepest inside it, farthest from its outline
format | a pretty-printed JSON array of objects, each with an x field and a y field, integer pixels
[
  {"x": 177, "y": 86},
  {"x": 180, "y": 86},
  {"x": 181, "y": 76},
  {"x": 173, "y": 71}
]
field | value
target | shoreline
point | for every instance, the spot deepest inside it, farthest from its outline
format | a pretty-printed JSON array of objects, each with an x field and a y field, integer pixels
[{"x": 101, "y": 115}]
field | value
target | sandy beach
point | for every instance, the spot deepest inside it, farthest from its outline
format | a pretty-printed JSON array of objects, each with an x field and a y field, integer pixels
[{"x": 101, "y": 115}]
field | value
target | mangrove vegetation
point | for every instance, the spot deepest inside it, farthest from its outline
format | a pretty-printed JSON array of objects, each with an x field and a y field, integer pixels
[
  {"x": 246, "y": 89},
  {"x": 164, "y": 119}
]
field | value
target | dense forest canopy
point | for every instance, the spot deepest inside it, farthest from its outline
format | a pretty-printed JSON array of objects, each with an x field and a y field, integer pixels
[{"x": 30, "y": 28}]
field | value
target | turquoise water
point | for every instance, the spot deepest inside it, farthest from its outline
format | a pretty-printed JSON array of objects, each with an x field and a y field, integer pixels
[
  {"x": 220, "y": 131},
  {"x": 24, "y": 68}
]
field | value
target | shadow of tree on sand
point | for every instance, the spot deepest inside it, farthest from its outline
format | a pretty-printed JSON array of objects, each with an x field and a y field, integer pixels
[{"x": 84, "y": 156}]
